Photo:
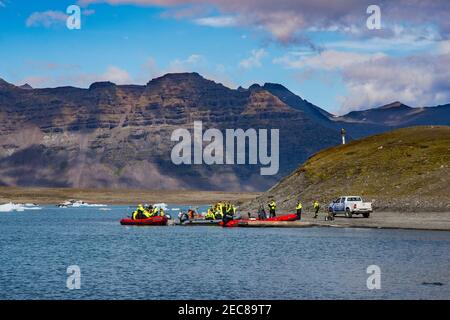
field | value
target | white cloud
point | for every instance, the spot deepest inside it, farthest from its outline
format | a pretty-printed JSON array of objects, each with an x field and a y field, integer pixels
[
  {"x": 76, "y": 77},
  {"x": 217, "y": 22},
  {"x": 289, "y": 20},
  {"x": 416, "y": 80},
  {"x": 411, "y": 39},
  {"x": 191, "y": 63},
  {"x": 46, "y": 18},
  {"x": 376, "y": 79},
  {"x": 444, "y": 47},
  {"x": 116, "y": 75},
  {"x": 325, "y": 60},
  {"x": 254, "y": 60}
]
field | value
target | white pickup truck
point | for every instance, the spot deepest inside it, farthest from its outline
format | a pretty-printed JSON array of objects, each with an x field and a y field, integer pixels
[{"x": 350, "y": 205}]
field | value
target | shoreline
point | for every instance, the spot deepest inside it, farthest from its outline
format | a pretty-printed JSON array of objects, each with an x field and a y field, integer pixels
[
  {"x": 425, "y": 221},
  {"x": 49, "y": 196},
  {"x": 418, "y": 220}
]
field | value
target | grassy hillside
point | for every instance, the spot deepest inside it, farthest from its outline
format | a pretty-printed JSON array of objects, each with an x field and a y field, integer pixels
[{"x": 403, "y": 170}]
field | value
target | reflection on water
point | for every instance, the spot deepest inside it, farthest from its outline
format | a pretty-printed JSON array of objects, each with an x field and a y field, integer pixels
[{"x": 174, "y": 262}]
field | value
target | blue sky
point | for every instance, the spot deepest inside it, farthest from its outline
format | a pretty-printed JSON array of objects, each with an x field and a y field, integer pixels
[{"x": 331, "y": 60}]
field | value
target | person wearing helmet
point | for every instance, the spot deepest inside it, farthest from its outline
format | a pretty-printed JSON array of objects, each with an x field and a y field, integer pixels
[
  {"x": 272, "y": 208},
  {"x": 140, "y": 213}
]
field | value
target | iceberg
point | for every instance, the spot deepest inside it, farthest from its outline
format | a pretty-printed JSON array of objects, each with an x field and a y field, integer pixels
[
  {"x": 78, "y": 203},
  {"x": 161, "y": 205},
  {"x": 9, "y": 207}
]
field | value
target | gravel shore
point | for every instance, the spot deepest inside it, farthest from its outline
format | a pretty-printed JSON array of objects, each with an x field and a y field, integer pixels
[{"x": 384, "y": 220}]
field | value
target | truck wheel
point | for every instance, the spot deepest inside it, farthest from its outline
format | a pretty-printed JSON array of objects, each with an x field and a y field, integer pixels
[
  {"x": 348, "y": 213},
  {"x": 366, "y": 215}
]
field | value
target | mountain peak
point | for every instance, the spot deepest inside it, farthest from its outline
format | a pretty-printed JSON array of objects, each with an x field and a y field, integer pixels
[
  {"x": 396, "y": 104},
  {"x": 26, "y": 86},
  {"x": 177, "y": 77},
  {"x": 274, "y": 86},
  {"x": 101, "y": 84},
  {"x": 255, "y": 86}
]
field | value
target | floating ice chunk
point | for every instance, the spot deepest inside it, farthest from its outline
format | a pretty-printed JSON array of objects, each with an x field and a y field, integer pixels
[
  {"x": 79, "y": 203},
  {"x": 161, "y": 205},
  {"x": 9, "y": 207}
]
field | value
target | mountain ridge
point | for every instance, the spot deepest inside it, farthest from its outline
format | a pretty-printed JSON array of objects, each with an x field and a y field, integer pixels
[{"x": 118, "y": 136}]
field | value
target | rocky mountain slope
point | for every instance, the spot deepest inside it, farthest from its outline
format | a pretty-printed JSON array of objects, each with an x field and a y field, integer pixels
[
  {"x": 118, "y": 136},
  {"x": 403, "y": 170}
]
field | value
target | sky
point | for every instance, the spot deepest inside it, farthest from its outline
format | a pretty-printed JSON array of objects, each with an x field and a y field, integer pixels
[{"x": 326, "y": 52}]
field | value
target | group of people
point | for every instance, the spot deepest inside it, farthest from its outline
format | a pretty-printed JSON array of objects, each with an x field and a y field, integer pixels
[
  {"x": 142, "y": 212},
  {"x": 221, "y": 210},
  {"x": 299, "y": 208},
  {"x": 272, "y": 205}
]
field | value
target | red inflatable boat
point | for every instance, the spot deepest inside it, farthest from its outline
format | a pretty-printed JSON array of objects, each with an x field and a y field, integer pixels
[
  {"x": 152, "y": 221},
  {"x": 235, "y": 223}
]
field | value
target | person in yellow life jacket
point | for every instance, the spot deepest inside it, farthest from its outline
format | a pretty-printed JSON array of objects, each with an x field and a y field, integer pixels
[
  {"x": 272, "y": 208},
  {"x": 155, "y": 211},
  {"x": 299, "y": 210},
  {"x": 210, "y": 214},
  {"x": 151, "y": 211},
  {"x": 161, "y": 212},
  {"x": 233, "y": 207},
  {"x": 227, "y": 211},
  {"x": 218, "y": 211},
  {"x": 316, "y": 208},
  {"x": 223, "y": 209},
  {"x": 139, "y": 213}
]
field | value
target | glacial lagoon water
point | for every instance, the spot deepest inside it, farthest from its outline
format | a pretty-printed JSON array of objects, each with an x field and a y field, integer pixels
[{"x": 173, "y": 262}]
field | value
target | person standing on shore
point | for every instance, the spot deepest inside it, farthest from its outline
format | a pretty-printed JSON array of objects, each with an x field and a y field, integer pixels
[
  {"x": 299, "y": 210},
  {"x": 316, "y": 208},
  {"x": 272, "y": 208}
]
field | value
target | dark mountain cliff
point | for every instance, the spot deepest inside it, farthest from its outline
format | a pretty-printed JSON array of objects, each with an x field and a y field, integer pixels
[{"x": 115, "y": 136}]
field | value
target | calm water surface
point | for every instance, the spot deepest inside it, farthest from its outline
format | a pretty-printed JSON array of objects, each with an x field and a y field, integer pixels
[{"x": 175, "y": 262}]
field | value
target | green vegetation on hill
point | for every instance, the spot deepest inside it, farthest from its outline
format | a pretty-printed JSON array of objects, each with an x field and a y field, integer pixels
[{"x": 402, "y": 170}]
